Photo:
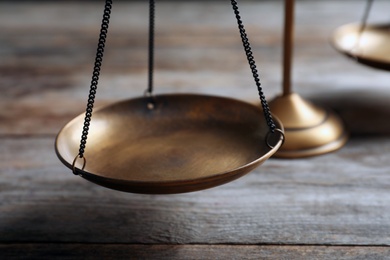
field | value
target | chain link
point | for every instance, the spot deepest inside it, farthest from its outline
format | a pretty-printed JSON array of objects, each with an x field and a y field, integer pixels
[
  {"x": 252, "y": 64},
  {"x": 95, "y": 75}
]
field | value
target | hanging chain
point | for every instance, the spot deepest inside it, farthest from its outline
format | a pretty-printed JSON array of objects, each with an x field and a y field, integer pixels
[
  {"x": 252, "y": 64},
  {"x": 367, "y": 10},
  {"x": 95, "y": 76},
  {"x": 99, "y": 60},
  {"x": 149, "y": 91},
  {"x": 363, "y": 25}
]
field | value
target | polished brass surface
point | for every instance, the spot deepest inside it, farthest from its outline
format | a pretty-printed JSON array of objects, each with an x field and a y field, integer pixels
[
  {"x": 288, "y": 40},
  {"x": 296, "y": 112},
  {"x": 370, "y": 46},
  {"x": 185, "y": 143},
  {"x": 309, "y": 130}
]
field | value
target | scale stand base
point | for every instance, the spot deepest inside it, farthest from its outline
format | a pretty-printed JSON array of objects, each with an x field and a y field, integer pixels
[{"x": 309, "y": 130}]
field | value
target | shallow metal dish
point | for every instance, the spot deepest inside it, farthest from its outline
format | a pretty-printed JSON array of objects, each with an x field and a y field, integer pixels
[
  {"x": 369, "y": 45},
  {"x": 186, "y": 143}
]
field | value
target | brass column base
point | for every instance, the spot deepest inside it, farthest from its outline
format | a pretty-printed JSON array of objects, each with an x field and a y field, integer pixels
[{"x": 309, "y": 130}]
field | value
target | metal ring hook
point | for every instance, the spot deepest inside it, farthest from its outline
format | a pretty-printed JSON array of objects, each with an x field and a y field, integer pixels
[
  {"x": 282, "y": 136},
  {"x": 74, "y": 164},
  {"x": 151, "y": 102}
]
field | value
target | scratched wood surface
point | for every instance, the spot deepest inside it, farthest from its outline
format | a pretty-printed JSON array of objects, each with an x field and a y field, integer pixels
[
  {"x": 218, "y": 252},
  {"x": 335, "y": 206}
]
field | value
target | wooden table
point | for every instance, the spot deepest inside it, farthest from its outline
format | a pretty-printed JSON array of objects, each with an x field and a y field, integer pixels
[{"x": 335, "y": 206}]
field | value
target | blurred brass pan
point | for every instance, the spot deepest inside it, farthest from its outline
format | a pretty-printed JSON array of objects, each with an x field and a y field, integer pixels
[
  {"x": 369, "y": 45},
  {"x": 186, "y": 143}
]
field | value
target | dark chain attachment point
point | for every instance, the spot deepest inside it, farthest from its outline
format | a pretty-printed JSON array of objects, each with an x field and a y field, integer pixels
[
  {"x": 74, "y": 164},
  {"x": 270, "y": 134},
  {"x": 252, "y": 64},
  {"x": 151, "y": 103}
]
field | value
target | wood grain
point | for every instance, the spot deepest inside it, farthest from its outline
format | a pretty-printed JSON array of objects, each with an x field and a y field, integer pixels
[
  {"x": 340, "y": 198},
  {"x": 46, "y": 64},
  {"x": 190, "y": 252}
]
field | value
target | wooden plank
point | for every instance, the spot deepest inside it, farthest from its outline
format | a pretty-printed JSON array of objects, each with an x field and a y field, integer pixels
[
  {"x": 340, "y": 198},
  {"x": 171, "y": 252},
  {"x": 46, "y": 63}
]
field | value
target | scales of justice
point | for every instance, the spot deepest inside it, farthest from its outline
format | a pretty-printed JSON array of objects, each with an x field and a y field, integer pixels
[{"x": 176, "y": 143}]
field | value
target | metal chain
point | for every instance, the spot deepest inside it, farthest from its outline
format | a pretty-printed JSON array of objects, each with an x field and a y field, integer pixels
[
  {"x": 99, "y": 60},
  {"x": 366, "y": 13},
  {"x": 151, "y": 47},
  {"x": 252, "y": 64},
  {"x": 95, "y": 75},
  {"x": 367, "y": 10}
]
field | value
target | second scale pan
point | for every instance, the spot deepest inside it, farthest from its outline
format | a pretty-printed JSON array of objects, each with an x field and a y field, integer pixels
[
  {"x": 186, "y": 143},
  {"x": 369, "y": 44}
]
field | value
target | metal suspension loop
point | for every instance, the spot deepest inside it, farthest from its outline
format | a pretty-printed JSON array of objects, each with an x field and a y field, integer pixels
[
  {"x": 95, "y": 76},
  {"x": 252, "y": 64}
]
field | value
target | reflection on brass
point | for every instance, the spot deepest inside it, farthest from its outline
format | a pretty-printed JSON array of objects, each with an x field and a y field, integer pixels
[
  {"x": 309, "y": 130},
  {"x": 369, "y": 45},
  {"x": 185, "y": 143}
]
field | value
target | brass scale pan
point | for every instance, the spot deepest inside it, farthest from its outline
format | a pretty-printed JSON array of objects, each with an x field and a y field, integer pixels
[
  {"x": 184, "y": 143},
  {"x": 369, "y": 45}
]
